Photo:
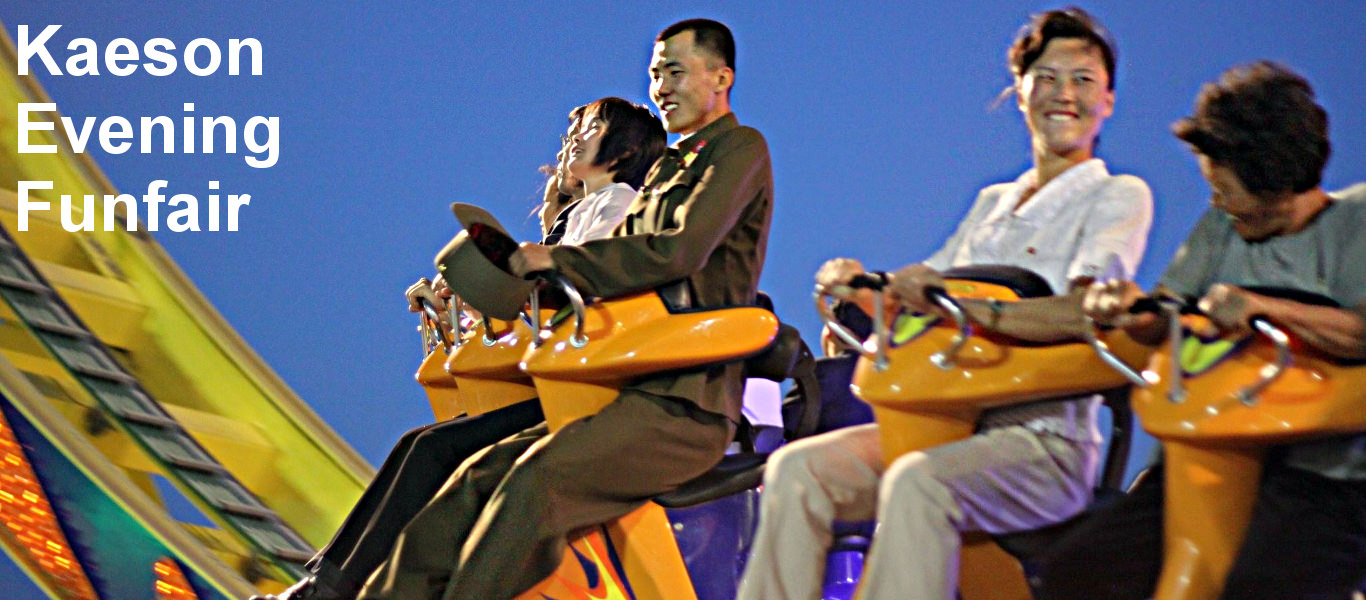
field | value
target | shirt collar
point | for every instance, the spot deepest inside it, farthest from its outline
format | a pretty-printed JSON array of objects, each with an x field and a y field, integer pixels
[
  {"x": 608, "y": 189},
  {"x": 1054, "y": 195}
]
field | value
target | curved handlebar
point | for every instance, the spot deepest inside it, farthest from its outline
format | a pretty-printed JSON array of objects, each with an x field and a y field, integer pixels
[
  {"x": 875, "y": 281},
  {"x": 1109, "y": 357},
  {"x": 1172, "y": 307},
  {"x": 867, "y": 348},
  {"x": 1273, "y": 371},
  {"x": 578, "y": 340},
  {"x": 1248, "y": 394},
  {"x": 455, "y": 308},
  {"x": 876, "y": 347},
  {"x": 946, "y": 358},
  {"x": 1144, "y": 305},
  {"x": 821, "y": 295},
  {"x": 488, "y": 338},
  {"x": 432, "y": 332},
  {"x": 534, "y": 303}
]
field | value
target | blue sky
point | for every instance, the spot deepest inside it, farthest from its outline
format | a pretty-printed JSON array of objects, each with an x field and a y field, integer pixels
[{"x": 880, "y": 122}]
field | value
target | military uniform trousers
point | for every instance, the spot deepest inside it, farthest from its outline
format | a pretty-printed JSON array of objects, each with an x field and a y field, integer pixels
[{"x": 500, "y": 524}]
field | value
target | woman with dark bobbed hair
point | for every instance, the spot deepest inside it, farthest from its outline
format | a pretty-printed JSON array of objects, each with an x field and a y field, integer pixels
[
  {"x": 615, "y": 144},
  {"x": 604, "y": 156}
]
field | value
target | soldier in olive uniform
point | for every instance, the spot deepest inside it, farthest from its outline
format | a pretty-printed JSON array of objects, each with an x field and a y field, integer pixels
[{"x": 699, "y": 228}]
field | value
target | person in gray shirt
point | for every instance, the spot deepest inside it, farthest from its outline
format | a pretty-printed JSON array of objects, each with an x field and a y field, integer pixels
[{"x": 1262, "y": 141}]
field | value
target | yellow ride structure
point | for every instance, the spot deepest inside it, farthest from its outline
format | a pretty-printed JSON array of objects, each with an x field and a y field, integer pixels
[
  {"x": 115, "y": 374},
  {"x": 1217, "y": 405},
  {"x": 931, "y": 379},
  {"x": 578, "y": 370}
]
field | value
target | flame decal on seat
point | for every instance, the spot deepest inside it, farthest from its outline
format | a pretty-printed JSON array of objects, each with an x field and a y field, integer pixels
[{"x": 590, "y": 571}]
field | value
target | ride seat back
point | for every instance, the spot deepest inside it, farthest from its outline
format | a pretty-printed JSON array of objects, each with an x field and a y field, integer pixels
[
  {"x": 485, "y": 366},
  {"x": 1023, "y": 282}
]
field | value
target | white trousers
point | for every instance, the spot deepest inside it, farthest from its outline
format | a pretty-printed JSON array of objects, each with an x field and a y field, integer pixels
[{"x": 998, "y": 481}]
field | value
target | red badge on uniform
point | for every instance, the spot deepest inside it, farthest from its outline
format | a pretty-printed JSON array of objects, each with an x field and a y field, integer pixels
[{"x": 692, "y": 154}]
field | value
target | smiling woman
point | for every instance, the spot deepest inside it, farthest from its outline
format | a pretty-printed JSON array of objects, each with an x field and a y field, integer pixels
[
  {"x": 1065, "y": 96},
  {"x": 610, "y": 153},
  {"x": 1065, "y": 86},
  {"x": 1026, "y": 466}
]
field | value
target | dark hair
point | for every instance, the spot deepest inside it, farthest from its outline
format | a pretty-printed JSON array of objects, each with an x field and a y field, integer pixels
[
  {"x": 1261, "y": 121},
  {"x": 635, "y": 139},
  {"x": 1067, "y": 23},
  {"x": 576, "y": 113},
  {"x": 713, "y": 36}
]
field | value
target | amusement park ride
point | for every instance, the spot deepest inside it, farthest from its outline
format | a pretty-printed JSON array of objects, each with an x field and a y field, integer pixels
[{"x": 120, "y": 387}]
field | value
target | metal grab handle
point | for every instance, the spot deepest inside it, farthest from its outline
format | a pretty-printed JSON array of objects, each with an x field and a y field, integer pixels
[
  {"x": 946, "y": 358},
  {"x": 1176, "y": 332},
  {"x": 880, "y": 333},
  {"x": 822, "y": 296},
  {"x": 578, "y": 340},
  {"x": 534, "y": 303},
  {"x": 425, "y": 329},
  {"x": 874, "y": 347},
  {"x": 1272, "y": 371},
  {"x": 1109, "y": 357},
  {"x": 488, "y": 338},
  {"x": 432, "y": 332},
  {"x": 1114, "y": 272},
  {"x": 1172, "y": 308},
  {"x": 1248, "y": 394},
  {"x": 456, "y": 310},
  {"x": 1176, "y": 392}
]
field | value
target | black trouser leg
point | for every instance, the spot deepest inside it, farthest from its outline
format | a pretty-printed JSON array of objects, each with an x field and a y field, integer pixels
[
  {"x": 423, "y": 556},
  {"x": 418, "y": 466},
  {"x": 359, "y": 518},
  {"x": 1307, "y": 539},
  {"x": 1113, "y": 554}
]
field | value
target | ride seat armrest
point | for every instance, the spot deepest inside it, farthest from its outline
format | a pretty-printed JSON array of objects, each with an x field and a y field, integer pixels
[{"x": 775, "y": 363}]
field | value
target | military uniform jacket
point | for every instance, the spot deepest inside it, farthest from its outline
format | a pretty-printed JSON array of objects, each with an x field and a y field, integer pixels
[{"x": 701, "y": 220}]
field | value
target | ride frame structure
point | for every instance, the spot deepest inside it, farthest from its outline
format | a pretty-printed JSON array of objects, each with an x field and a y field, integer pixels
[{"x": 145, "y": 450}]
